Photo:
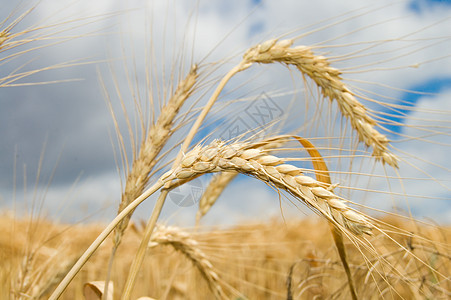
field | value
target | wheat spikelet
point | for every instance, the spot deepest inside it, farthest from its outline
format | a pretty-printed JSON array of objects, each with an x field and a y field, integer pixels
[
  {"x": 181, "y": 241},
  {"x": 328, "y": 79},
  {"x": 247, "y": 159},
  {"x": 157, "y": 137}
]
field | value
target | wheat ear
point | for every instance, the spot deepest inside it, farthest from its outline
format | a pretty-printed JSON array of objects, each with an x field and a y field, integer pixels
[
  {"x": 155, "y": 140},
  {"x": 182, "y": 242},
  {"x": 245, "y": 158},
  {"x": 238, "y": 157},
  {"x": 221, "y": 180},
  {"x": 328, "y": 79}
]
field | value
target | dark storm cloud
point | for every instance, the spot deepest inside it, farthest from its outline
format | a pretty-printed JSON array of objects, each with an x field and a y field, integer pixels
[
  {"x": 71, "y": 118},
  {"x": 68, "y": 118}
]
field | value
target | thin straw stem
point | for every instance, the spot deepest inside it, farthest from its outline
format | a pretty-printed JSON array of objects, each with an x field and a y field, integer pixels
[{"x": 102, "y": 236}]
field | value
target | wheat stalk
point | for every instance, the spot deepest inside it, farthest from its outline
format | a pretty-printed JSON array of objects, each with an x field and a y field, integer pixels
[
  {"x": 182, "y": 242},
  {"x": 328, "y": 79},
  {"x": 101, "y": 238}
]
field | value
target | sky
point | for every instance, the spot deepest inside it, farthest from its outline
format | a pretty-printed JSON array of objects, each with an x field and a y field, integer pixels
[{"x": 58, "y": 140}]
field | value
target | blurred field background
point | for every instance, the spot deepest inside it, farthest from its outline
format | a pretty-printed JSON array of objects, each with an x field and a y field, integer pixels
[{"x": 253, "y": 261}]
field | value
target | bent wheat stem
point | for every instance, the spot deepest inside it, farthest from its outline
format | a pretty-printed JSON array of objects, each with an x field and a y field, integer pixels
[
  {"x": 101, "y": 237},
  {"x": 240, "y": 67}
]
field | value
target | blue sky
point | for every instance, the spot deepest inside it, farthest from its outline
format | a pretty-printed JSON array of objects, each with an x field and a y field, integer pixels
[
  {"x": 421, "y": 5},
  {"x": 409, "y": 99}
]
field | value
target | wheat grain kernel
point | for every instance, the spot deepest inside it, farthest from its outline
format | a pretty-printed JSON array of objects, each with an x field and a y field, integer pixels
[
  {"x": 322, "y": 193},
  {"x": 269, "y": 160},
  {"x": 288, "y": 169}
]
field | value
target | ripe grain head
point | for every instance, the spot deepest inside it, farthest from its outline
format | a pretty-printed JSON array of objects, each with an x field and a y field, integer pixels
[
  {"x": 328, "y": 79},
  {"x": 157, "y": 136},
  {"x": 273, "y": 170},
  {"x": 182, "y": 242}
]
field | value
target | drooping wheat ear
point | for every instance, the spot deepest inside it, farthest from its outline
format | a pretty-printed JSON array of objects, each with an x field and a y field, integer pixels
[
  {"x": 182, "y": 242},
  {"x": 155, "y": 140},
  {"x": 247, "y": 159},
  {"x": 328, "y": 79}
]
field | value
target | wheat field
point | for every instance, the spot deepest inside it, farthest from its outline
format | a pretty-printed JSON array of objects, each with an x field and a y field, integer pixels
[{"x": 232, "y": 151}]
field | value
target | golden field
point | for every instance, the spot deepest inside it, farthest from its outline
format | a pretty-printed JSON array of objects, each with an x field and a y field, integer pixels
[{"x": 252, "y": 261}]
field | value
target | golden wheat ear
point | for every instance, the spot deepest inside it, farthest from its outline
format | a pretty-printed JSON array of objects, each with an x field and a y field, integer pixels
[
  {"x": 155, "y": 139},
  {"x": 182, "y": 242},
  {"x": 245, "y": 158},
  {"x": 328, "y": 79}
]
